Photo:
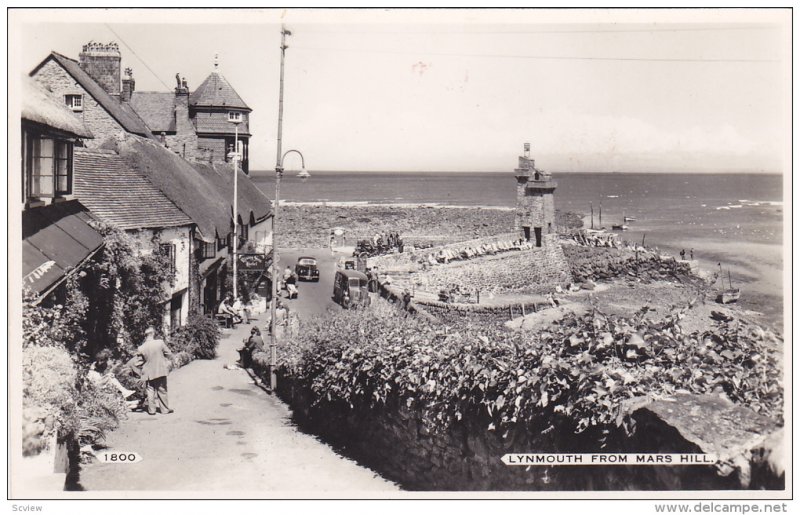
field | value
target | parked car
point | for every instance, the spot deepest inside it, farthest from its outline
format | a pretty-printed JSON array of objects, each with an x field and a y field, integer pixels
[
  {"x": 350, "y": 289},
  {"x": 306, "y": 269}
]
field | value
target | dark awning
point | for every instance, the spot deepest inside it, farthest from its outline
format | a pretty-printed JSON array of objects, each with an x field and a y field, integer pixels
[{"x": 56, "y": 239}]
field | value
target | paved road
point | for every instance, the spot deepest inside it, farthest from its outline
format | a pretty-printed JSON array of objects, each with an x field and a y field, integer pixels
[
  {"x": 228, "y": 435},
  {"x": 314, "y": 298}
]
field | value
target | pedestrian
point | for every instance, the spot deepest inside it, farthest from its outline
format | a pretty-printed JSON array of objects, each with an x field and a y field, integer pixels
[
  {"x": 683, "y": 254},
  {"x": 100, "y": 374},
  {"x": 251, "y": 344},
  {"x": 155, "y": 355},
  {"x": 406, "y": 299},
  {"x": 691, "y": 254},
  {"x": 240, "y": 308}
]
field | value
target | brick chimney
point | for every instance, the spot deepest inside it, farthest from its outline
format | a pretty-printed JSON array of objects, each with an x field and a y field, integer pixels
[
  {"x": 185, "y": 134},
  {"x": 101, "y": 61},
  {"x": 128, "y": 86}
]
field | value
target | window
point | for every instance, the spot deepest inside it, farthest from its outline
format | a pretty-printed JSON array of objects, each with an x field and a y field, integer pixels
[
  {"x": 48, "y": 166},
  {"x": 175, "y": 308},
  {"x": 74, "y": 102},
  {"x": 168, "y": 249},
  {"x": 206, "y": 250},
  {"x": 244, "y": 234},
  {"x": 234, "y": 116}
]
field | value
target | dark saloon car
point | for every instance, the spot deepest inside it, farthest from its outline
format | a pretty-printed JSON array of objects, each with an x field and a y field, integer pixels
[{"x": 306, "y": 269}]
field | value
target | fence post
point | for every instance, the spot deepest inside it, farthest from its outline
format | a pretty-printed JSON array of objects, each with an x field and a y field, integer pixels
[{"x": 522, "y": 307}]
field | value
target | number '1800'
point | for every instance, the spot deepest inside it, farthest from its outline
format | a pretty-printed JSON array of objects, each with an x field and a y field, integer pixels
[{"x": 119, "y": 457}]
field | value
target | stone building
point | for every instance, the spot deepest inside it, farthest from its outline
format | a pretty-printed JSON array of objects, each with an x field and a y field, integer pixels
[
  {"x": 201, "y": 125},
  {"x": 535, "y": 210},
  {"x": 154, "y": 140}
]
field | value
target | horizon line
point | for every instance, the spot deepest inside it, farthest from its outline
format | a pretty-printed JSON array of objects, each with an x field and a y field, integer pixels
[{"x": 267, "y": 171}]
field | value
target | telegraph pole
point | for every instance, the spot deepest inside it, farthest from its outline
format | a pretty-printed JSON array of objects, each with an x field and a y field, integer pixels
[{"x": 273, "y": 359}]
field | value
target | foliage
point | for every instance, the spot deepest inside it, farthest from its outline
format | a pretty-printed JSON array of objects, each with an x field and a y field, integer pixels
[
  {"x": 577, "y": 374},
  {"x": 199, "y": 338},
  {"x": 60, "y": 325},
  {"x": 126, "y": 288},
  {"x": 100, "y": 409},
  {"x": 49, "y": 395}
]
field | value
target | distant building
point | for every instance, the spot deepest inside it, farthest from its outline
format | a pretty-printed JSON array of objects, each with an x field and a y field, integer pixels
[
  {"x": 199, "y": 125},
  {"x": 535, "y": 210}
]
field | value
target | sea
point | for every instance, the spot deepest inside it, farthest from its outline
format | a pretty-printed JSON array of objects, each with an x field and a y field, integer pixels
[{"x": 732, "y": 223}]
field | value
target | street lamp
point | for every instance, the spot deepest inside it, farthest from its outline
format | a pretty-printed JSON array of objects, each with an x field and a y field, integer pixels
[
  {"x": 303, "y": 175},
  {"x": 235, "y": 156}
]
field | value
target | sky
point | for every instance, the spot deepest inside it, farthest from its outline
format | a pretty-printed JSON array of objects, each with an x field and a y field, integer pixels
[{"x": 462, "y": 90}]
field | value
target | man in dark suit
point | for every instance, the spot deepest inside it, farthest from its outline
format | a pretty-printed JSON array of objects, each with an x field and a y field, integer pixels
[{"x": 155, "y": 355}]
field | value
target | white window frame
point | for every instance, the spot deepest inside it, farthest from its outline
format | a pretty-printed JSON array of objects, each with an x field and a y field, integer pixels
[
  {"x": 235, "y": 116},
  {"x": 69, "y": 100}
]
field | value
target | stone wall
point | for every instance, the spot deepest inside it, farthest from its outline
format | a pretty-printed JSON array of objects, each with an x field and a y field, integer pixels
[
  {"x": 602, "y": 263},
  {"x": 184, "y": 142},
  {"x": 396, "y": 442},
  {"x": 213, "y": 148},
  {"x": 102, "y": 125}
]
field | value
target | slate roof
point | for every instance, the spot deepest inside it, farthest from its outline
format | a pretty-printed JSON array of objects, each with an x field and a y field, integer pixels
[
  {"x": 216, "y": 91},
  {"x": 120, "y": 111},
  {"x": 156, "y": 108},
  {"x": 41, "y": 108},
  {"x": 118, "y": 194}
]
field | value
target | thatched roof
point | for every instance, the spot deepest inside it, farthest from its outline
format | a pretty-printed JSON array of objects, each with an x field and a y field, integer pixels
[
  {"x": 39, "y": 107},
  {"x": 191, "y": 191},
  {"x": 253, "y": 204},
  {"x": 120, "y": 111},
  {"x": 156, "y": 108},
  {"x": 216, "y": 91}
]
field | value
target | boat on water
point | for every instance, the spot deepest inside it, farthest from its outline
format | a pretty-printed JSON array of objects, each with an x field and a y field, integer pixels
[
  {"x": 622, "y": 226},
  {"x": 628, "y": 219},
  {"x": 730, "y": 294}
]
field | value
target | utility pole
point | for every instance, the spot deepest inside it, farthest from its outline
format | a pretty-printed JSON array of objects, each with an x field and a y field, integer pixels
[{"x": 273, "y": 360}]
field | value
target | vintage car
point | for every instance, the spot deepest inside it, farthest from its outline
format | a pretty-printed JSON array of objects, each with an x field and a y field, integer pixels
[
  {"x": 350, "y": 289},
  {"x": 306, "y": 269}
]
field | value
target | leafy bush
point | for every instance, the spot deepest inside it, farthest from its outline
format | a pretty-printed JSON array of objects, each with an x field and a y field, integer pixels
[
  {"x": 199, "y": 337},
  {"x": 577, "y": 374},
  {"x": 100, "y": 409},
  {"x": 49, "y": 395}
]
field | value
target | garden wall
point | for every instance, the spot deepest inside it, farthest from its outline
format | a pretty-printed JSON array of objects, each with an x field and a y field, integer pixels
[{"x": 394, "y": 441}]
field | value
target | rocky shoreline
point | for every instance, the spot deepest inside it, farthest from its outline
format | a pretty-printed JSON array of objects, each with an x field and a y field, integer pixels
[{"x": 309, "y": 225}]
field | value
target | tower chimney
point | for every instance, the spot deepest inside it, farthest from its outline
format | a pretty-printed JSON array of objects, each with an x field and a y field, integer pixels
[
  {"x": 128, "y": 86},
  {"x": 101, "y": 61}
]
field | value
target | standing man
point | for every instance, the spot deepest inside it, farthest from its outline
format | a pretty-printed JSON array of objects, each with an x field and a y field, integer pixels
[{"x": 156, "y": 356}]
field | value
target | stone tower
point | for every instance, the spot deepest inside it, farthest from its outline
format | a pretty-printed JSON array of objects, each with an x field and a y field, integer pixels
[{"x": 535, "y": 213}]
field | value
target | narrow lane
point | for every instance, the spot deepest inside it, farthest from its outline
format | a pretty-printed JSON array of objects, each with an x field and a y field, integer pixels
[{"x": 228, "y": 435}]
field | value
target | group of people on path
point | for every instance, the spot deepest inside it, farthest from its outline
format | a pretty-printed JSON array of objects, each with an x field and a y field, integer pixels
[
  {"x": 149, "y": 366},
  {"x": 683, "y": 254}
]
